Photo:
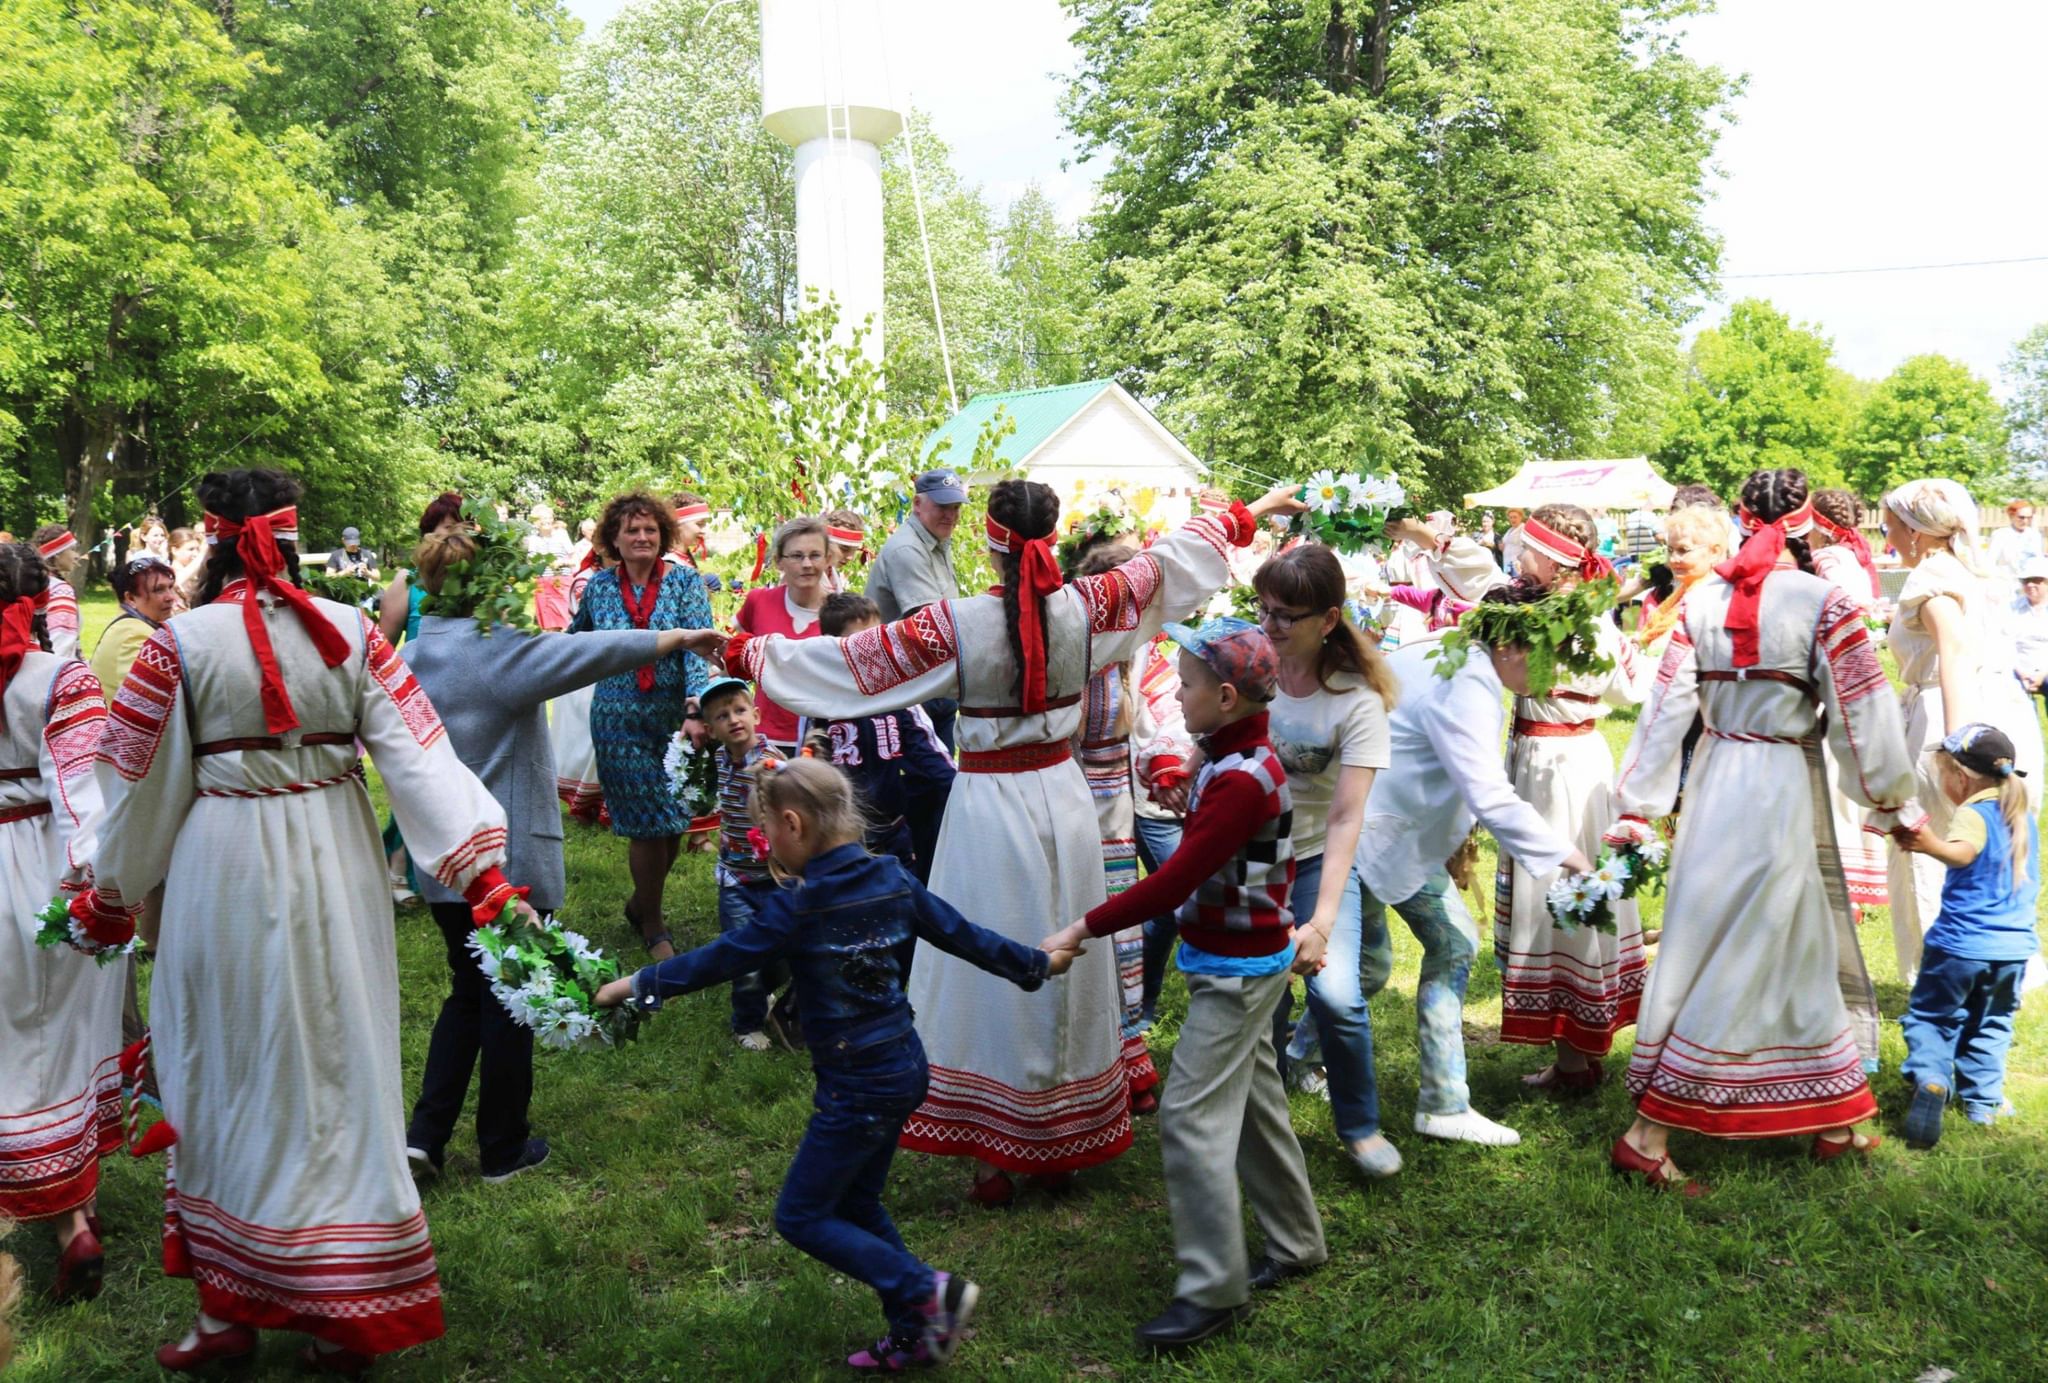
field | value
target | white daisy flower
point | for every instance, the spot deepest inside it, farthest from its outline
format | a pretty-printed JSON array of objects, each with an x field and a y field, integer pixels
[
  {"x": 1323, "y": 495},
  {"x": 485, "y": 960},
  {"x": 1380, "y": 492},
  {"x": 1653, "y": 850}
]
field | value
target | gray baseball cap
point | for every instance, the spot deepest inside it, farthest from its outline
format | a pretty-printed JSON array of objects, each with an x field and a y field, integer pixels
[
  {"x": 941, "y": 486},
  {"x": 351, "y": 535}
]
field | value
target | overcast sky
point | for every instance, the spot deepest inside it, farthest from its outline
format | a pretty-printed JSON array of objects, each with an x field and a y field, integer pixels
[{"x": 1872, "y": 133}]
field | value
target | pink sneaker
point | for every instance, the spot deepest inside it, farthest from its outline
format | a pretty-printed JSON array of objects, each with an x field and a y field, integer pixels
[
  {"x": 946, "y": 1315},
  {"x": 890, "y": 1355}
]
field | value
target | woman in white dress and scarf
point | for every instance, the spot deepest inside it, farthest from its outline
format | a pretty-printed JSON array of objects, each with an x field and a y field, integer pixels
[
  {"x": 1033, "y": 1084},
  {"x": 1759, "y": 1016},
  {"x": 1955, "y": 666},
  {"x": 230, "y": 776},
  {"x": 60, "y": 1014}
]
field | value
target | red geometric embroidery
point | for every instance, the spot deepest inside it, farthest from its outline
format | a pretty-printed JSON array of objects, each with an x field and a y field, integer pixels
[
  {"x": 1117, "y": 599},
  {"x": 891, "y": 654},
  {"x": 1851, "y": 658},
  {"x": 483, "y": 849},
  {"x": 142, "y": 707},
  {"x": 78, "y": 715},
  {"x": 396, "y": 678}
]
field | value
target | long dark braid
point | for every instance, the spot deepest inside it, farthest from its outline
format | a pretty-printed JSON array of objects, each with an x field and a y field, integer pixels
[
  {"x": 1773, "y": 494},
  {"x": 239, "y": 495},
  {"x": 1030, "y": 510},
  {"x": 22, "y": 573}
]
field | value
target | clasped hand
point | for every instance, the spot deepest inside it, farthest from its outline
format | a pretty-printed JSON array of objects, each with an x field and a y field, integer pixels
[{"x": 1063, "y": 946}]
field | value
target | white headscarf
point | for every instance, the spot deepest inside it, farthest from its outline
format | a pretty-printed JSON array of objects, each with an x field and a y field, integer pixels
[{"x": 1940, "y": 509}]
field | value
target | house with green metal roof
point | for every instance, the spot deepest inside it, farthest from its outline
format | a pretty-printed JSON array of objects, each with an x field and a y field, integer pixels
[{"x": 1075, "y": 436}]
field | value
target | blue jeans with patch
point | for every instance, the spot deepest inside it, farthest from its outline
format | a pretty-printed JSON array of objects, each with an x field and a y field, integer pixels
[
  {"x": 831, "y": 1201},
  {"x": 1438, "y": 917},
  {"x": 738, "y": 904},
  {"x": 1958, "y": 1026},
  {"x": 1336, "y": 1004}
]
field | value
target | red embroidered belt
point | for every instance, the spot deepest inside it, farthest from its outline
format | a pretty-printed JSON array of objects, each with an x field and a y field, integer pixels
[
  {"x": 200, "y": 751},
  {"x": 1587, "y": 697},
  {"x": 1741, "y": 738},
  {"x": 1025, "y": 758},
  {"x": 1541, "y": 729},
  {"x": 355, "y": 771},
  {"x": 27, "y": 811}
]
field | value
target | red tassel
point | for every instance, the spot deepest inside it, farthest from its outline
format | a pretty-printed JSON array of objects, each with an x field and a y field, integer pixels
[
  {"x": 760, "y": 556},
  {"x": 161, "y": 1134}
]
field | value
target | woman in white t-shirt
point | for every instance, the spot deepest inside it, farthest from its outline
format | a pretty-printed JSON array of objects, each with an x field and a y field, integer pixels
[{"x": 1328, "y": 724}]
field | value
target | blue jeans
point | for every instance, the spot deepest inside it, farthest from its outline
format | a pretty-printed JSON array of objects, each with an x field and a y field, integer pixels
[
  {"x": 1440, "y": 921},
  {"x": 831, "y": 1201},
  {"x": 1336, "y": 1001},
  {"x": 1158, "y": 838},
  {"x": 1959, "y": 1020},
  {"x": 738, "y": 904}
]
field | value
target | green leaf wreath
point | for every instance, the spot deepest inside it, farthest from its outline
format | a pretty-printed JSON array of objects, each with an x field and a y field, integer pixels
[
  {"x": 496, "y": 585},
  {"x": 1561, "y": 632}
]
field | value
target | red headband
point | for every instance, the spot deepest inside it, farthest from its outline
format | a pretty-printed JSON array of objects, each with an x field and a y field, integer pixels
[
  {"x": 849, "y": 537},
  {"x": 1038, "y": 575},
  {"x": 1589, "y": 564},
  {"x": 1747, "y": 569},
  {"x": 63, "y": 542},
  {"x": 1854, "y": 540},
  {"x": 263, "y": 565},
  {"x": 17, "y": 638},
  {"x": 699, "y": 510}
]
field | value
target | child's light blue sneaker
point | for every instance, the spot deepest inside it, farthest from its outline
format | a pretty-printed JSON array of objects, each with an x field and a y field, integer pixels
[{"x": 1988, "y": 1114}]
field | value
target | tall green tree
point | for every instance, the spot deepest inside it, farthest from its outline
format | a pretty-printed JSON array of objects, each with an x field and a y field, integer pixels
[
  {"x": 1759, "y": 392},
  {"x": 2026, "y": 411},
  {"x": 1932, "y": 416},
  {"x": 1046, "y": 265},
  {"x": 1435, "y": 235}
]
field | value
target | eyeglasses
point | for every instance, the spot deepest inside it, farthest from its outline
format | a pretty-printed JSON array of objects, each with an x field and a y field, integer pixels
[{"x": 1280, "y": 621}]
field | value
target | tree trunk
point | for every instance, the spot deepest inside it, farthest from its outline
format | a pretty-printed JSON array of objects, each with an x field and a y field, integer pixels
[
  {"x": 1340, "y": 51},
  {"x": 1376, "y": 46},
  {"x": 86, "y": 469}
]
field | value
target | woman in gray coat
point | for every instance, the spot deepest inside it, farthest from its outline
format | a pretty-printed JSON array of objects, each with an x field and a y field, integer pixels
[{"x": 492, "y": 692}]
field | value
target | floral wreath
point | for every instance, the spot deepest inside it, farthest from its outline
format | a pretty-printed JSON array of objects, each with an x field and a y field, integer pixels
[{"x": 1561, "y": 632}]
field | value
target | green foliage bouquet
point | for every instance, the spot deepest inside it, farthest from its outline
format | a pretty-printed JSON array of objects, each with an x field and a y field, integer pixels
[
  {"x": 1348, "y": 511},
  {"x": 1561, "y": 633},
  {"x": 349, "y": 590},
  {"x": 547, "y": 978},
  {"x": 496, "y": 585}
]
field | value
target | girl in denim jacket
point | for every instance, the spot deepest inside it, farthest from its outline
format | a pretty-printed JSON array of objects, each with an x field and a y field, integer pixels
[{"x": 846, "y": 932}]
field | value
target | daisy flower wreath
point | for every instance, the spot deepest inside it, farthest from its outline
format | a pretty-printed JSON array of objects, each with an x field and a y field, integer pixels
[
  {"x": 547, "y": 978},
  {"x": 1348, "y": 511},
  {"x": 1587, "y": 900}
]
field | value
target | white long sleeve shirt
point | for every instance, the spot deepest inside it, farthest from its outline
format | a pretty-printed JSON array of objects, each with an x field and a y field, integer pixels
[
  {"x": 2029, "y": 625},
  {"x": 1447, "y": 770}
]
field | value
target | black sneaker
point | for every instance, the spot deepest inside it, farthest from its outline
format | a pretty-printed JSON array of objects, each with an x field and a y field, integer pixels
[
  {"x": 535, "y": 1153},
  {"x": 1923, "y": 1116}
]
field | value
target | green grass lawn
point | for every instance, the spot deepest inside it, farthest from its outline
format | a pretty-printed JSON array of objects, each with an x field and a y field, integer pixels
[{"x": 646, "y": 1248}]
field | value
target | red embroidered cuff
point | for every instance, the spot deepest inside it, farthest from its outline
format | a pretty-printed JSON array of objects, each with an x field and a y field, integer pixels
[
  {"x": 1243, "y": 526},
  {"x": 106, "y": 923},
  {"x": 740, "y": 653},
  {"x": 1165, "y": 779},
  {"x": 488, "y": 893}
]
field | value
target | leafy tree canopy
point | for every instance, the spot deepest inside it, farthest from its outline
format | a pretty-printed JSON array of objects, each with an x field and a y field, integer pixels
[{"x": 1931, "y": 416}]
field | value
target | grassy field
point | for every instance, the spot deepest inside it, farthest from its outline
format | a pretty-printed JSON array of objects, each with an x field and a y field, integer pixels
[{"x": 646, "y": 1248}]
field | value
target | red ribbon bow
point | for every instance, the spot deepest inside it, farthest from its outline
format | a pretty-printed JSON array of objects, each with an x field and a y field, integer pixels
[
  {"x": 1746, "y": 571},
  {"x": 263, "y": 565},
  {"x": 1590, "y": 565},
  {"x": 1038, "y": 576},
  {"x": 1854, "y": 540},
  {"x": 17, "y": 637}
]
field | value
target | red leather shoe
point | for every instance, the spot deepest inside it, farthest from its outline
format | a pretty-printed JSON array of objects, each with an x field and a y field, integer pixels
[
  {"x": 994, "y": 1190},
  {"x": 233, "y": 1348},
  {"x": 348, "y": 1363},
  {"x": 1145, "y": 1102},
  {"x": 1555, "y": 1078},
  {"x": 1826, "y": 1151},
  {"x": 80, "y": 1269},
  {"x": 1656, "y": 1172}
]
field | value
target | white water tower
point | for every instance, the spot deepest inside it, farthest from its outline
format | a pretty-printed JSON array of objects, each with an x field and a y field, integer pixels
[{"x": 825, "y": 91}]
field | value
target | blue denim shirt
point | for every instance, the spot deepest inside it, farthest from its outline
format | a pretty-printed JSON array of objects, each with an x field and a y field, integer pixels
[{"x": 847, "y": 933}]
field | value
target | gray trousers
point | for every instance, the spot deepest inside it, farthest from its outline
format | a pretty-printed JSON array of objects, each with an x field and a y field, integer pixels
[{"x": 1224, "y": 1093}]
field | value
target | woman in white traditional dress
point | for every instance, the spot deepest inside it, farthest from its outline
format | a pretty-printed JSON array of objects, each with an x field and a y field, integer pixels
[
  {"x": 230, "y": 776},
  {"x": 1842, "y": 555},
  {"x": 1022, "y": 1083},
  {"x": 1572, "y": 991},
  {"x": 60, "y": 1014},
  {"x": 1759, "y": 1014},
  {"x": 1955, "y": 666}
]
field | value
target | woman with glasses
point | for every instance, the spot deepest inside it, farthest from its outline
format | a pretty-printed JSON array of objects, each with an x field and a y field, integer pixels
[
  {"x": 1328, "y": 725},
  {"x": 801, "y": 552},
  {"x": 2018, "y": 543}
]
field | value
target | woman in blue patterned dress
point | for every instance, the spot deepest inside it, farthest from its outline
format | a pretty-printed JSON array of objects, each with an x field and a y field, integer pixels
[{"x": 634, "y": 715}]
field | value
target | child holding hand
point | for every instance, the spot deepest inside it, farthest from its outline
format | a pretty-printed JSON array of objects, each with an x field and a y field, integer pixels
[
  {"x": 846, "y": 931},
  {"x": 1959, "y": 1020}
]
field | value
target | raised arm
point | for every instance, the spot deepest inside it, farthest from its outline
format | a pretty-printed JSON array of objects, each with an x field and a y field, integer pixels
[
  {"x": 527, "y": 669},
  {"x": 876, "y": 671}
]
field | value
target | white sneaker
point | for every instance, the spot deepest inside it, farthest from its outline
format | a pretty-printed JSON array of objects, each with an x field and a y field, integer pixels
[
  {"x": 1309, "y": 1080},
  {"x": 754, "y": 1041},
  {"x": 1467, "y": 1126}
]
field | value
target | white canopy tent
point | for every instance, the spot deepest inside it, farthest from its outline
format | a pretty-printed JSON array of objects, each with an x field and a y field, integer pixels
[{"x": 1626, "y": 483}]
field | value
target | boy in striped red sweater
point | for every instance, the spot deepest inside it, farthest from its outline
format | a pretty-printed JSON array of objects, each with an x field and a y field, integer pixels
[{"x": 1229, "y": 881}]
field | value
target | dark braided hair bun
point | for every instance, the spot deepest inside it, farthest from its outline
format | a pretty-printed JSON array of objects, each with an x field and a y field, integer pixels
[
  {"x": 238, "y": 495},
  {"x": 1772, "y": 495},
  {"x": 22, "y": 573}
]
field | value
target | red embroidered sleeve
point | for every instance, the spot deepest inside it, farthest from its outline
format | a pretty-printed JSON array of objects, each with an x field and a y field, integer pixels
[
  {"x": 487, "y": 895},
  {"x": 1845, "y": 641},
  {"x": 891, "y": 654},
  {"x": 1117, "y": 599},
  {"x": 78, "y": 717},
  {"x": 392, "y": 674},
  {"x": 141, "y": 707},
  {"x": 461, "y": 867},
  {"x": 743, "y": 655}
]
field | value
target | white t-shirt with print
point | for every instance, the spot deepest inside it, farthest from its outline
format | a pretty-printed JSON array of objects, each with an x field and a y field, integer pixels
[{"x": 1317, "y": 735}]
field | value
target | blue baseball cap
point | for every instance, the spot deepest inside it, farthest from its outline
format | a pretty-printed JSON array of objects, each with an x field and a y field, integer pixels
[
  {"x": 941, "y": 486},
  {"x": 720, "y": 686},
  {"x": 1236, "y": 650}
]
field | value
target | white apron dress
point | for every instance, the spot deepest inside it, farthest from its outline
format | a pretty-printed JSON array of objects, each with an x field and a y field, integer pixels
[
  {"x": 569, "y": 727},
  {"x": 1105, "y": 757},
  {"x": 1030, "y": 1083},
  {"x": 60, "y": 1013},
  {"x": 1915, "y": 880},
  {"x": 274, "y": 1006},
  {"x": 1759, "y": 1017},
  {"x": 1865, "y": 866},
  {"x": 1581, "y": 987}
]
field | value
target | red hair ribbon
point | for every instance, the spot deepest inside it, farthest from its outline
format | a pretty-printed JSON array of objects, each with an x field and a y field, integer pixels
[
  {"x": 1747, "y": 569},
  {"x": 1854, "y": 540},
  {"x": 590, "y": 559},
  {"x": 263, "y": 565},
  {"x": 760, "y": 556},
  {"x": 699, "y": 510},
  {"x": 17, "y": 637},
  {"x": 1590, "y": 565},
  {"x": 1038, "y": 575},
  {"x": 845, "y": 537},
  {"x": 62, "y": 543}
]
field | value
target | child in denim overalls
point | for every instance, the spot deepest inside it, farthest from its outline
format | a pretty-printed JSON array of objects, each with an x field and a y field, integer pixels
[{"x": 846, "y": 931}]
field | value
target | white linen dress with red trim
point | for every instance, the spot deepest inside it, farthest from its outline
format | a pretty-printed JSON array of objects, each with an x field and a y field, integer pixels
[
  {"x": 1759, "y": 1017},
  {"x": 274, "y": 1004},
  {"x": 1578, "y": 987},
  {"x": 1916, "y": 880},
  {"x": 1864, "y": 855},
  {"x": 1105, "y": 757},
  {"x": 60, "y": 1014},
  {"x": 1031, "y": 1083},
  {"x": 569, "y": 727}
]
